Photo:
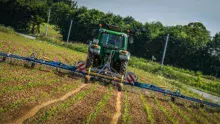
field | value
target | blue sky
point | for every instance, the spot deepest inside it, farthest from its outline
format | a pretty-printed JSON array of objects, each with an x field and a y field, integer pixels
[{"x": 169, "y": 12}]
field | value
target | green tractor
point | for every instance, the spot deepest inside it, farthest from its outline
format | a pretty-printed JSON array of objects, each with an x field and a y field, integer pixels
[{"x": 109, "y": 46}]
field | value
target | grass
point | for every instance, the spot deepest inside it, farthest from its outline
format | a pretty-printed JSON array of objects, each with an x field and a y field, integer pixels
[
  {"x": 181, "y": 76},
  {"x": 52, "y": 32},
  {"x": 15, "y": 79},
  {"x": 100, "y": 105},
  {"x": 190, "y": 78},
  {"x": 51, "y": 45},
  {"x": 31, "y": 84},
  {"x": 80, "y": 47},
  {"x": 7, "y": 30}
]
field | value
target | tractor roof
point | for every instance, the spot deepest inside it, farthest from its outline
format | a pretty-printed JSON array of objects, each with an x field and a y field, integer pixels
[{"x": 113, "y": 32}]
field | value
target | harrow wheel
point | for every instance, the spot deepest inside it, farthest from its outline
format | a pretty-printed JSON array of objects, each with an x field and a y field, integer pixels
[
  {"x": 87, "y": 79},
  {"x": 120, "y": 86},
  {"x": 3, "y": 59},
  {"x": 32, "y": 65},
  {"x": 172, "y": 99},
  {"x": 202, "y": 105}
]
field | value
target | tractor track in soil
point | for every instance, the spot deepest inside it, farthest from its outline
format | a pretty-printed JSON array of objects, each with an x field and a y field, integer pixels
[
  {"x": 33, "y": 111},
  {"x": 111, "y": 112},
  {"x": 118, "y": 109},
  {"x": 80, "y": 111}
]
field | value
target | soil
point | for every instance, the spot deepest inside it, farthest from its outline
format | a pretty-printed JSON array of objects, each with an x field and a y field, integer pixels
[
  {"x": 168, "y": 107},
  {"x": 45, "y": 98},
  {"x": 30, "y": 98},
  {"x": 33, "y": 111},
  {"x": 137, "y": 112},
  {"x": 161, "y": 119},
  {"x": 106, "y": 115},
  {"x": 79, "y": 112}
]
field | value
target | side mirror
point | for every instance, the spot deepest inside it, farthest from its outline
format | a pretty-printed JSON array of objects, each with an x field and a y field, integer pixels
[
  {"x": 90, "y": 43},
  {"x": 93, "y": 33},
  {"x": 131, "y": 40}
]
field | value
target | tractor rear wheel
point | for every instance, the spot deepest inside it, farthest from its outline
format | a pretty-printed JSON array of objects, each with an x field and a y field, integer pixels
[
  {"x": 123, "y": 67},
  {"x": 90, "y": 60}
]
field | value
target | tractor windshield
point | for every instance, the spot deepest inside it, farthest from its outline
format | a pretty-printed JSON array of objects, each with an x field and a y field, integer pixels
[{"x": 112, "y": 40}]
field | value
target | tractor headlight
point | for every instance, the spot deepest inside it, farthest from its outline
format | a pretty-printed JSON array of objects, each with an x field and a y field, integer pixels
[
  {"x": 95, "y": 41},
  {"x": 124, "y": 55}
]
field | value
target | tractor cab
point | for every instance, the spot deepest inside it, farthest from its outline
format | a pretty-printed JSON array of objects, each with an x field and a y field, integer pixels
[{"x": 112, "y": 39}]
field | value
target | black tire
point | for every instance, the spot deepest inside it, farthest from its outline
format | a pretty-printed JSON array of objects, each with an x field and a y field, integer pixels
[
  {"x": 123, "y": 67},
  {"x": 90, "y": 60},
  {"x": 32, "y": 65},
  {"x": 3, "y": 59}
]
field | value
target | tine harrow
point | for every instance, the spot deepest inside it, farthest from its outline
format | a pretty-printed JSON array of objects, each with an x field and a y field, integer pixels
[{"x": 94, "y": 73}]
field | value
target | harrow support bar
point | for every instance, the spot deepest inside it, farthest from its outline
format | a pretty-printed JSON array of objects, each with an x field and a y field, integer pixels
[
  {"x": 120, "y": 80},
  {"x": 172, "y": 94},
  {"x": 102, "y": 76},
  {"x": 40, "y": 61}
]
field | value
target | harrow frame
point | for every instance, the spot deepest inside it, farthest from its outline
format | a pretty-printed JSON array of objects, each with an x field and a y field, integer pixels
[{"x": 93, "y": 73}]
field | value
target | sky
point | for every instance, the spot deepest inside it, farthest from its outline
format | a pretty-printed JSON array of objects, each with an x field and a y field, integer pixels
[{"x": 169, "y": 12}]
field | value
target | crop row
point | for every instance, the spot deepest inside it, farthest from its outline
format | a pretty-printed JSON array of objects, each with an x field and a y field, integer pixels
[
  {"x": 54, "y": 110},
  {"x": 99, "y": 106},
  {"x": 181, "y": 113},
  {"x": 217, "y": 115},
  {"x": 33, "y": 82},
  {"x": 197, "y": 116},
  {"x": 29, "y": 85},
  {"x": 22, "y": 101},
  {"x": 167, "y": 113},
  {"x": 208, "y": 116},
  {"x": 147, "y": 109},
  {"x": 12, "y": 106}
]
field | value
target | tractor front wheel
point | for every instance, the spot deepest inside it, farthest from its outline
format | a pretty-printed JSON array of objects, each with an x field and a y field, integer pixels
[{"x": 123, "y": 67}]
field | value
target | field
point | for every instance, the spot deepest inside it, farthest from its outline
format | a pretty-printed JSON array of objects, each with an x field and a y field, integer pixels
[{"x": 45, "y": 95}]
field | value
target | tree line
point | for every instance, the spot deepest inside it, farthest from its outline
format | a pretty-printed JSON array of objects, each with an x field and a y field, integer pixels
[{"x": 190, "y": 46}]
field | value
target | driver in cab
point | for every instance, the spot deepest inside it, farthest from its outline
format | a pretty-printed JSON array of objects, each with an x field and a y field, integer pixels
[{"x": 115, "y": 41}]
